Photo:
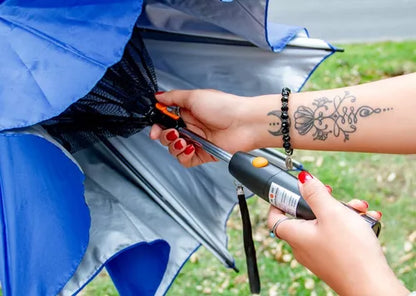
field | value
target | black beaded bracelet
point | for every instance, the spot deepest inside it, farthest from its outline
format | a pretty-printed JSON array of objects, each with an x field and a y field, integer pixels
[{"x": 284, "y": 117}]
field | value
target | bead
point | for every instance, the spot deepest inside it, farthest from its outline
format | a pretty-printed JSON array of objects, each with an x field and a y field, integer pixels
[
  {"x": 284, "y": 117},
  {"x": 285, "y": 91}
]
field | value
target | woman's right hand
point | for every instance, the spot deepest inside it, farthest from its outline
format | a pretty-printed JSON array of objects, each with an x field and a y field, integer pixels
[{"x": 211, "y": 114}]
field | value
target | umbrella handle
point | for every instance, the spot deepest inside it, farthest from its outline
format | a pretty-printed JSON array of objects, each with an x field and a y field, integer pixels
[{"x": 162, "y": 115}]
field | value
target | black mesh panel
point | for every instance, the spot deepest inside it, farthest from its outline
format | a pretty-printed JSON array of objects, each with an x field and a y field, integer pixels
[{"x": 116, "y": 106}]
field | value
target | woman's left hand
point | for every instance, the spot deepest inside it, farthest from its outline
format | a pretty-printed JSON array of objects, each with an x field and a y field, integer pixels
[{"x": 338, "y": 246}]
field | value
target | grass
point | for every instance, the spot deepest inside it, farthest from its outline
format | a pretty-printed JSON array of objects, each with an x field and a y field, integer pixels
[{"x": 385, "y": 181}]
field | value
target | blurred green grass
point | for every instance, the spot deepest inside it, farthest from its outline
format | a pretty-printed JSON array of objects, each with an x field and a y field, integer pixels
[{"x": 385, "y": 181}]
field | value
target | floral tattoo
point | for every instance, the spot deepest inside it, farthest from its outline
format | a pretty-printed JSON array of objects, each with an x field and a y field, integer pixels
[{"x": 338, "y": 116}]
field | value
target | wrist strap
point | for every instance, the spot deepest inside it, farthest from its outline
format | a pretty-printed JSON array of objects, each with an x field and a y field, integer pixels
[{"x": 249, "y": 248}]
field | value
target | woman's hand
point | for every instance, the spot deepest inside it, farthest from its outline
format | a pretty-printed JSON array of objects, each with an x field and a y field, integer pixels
[
  {"x": 338, "y": 246},
  {"x": 214, "y": 115}
]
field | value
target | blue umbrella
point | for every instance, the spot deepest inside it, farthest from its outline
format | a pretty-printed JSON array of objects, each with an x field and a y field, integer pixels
[{"x": 66, "y": 216}]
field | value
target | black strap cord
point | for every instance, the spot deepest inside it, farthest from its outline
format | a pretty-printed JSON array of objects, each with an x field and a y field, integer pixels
[{"x": 249, "y": 248}]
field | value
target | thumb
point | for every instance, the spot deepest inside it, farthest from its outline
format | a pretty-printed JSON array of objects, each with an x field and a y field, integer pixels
[
  {"x": 181, "y": 98},
  {"x": 316, "y": 194}
]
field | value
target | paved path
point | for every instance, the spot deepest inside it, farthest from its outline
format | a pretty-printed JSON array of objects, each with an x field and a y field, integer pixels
[{"x": 344, "y": 21}]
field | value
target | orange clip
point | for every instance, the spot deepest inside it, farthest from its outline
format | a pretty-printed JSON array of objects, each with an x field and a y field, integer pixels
[{"x": 164, "y": 109}]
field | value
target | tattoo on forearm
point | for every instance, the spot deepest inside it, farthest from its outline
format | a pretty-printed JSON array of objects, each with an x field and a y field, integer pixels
[
  {"x": 275, "y": 124},
  {"x": 338, "y": 116}
]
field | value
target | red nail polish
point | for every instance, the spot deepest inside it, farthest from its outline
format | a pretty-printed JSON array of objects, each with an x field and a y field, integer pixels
[
  {"x": 304, "y": 176},
  {"x": 178, "y": 145},
  {"x": 189, "y": 149},
  {"x": 171, "y": 136},
  {"x": 365, "y": 202},
  {"x": 159, "y": 93},
  {"x": 380, "y": 213},
  {"x": 329, "y": 188}
]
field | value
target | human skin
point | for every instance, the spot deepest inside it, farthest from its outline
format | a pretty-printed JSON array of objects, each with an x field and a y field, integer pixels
[
  {"x": 372, "y": 117},
  {"x": 338, "y": 246}
]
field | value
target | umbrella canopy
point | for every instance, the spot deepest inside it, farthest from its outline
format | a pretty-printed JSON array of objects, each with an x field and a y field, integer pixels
[
  {"x": 195, "y": 44},
  {"x": 33, "y": 231},
  {"x": 54, "y": 54}
]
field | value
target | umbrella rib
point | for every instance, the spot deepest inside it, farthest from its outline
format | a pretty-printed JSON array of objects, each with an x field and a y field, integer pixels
[
  {"x": 183, "y": 209},
  {"x": 249, "y": 13},
  {"x": 156, "y": 196},
  {"x": 33, "y": 77},
  {"x": 48, "y": 38}
]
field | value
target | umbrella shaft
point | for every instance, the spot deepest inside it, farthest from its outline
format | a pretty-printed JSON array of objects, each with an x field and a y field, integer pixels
[{"x": 206, "y": 145}]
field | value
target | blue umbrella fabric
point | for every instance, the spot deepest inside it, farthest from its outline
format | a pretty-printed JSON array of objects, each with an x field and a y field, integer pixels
[
  {"x": 51, "y": 54},
  {"x": 54, "y": 52},
  {"x": 39, "y": 200},
  {"x": 65, "y": 217}
]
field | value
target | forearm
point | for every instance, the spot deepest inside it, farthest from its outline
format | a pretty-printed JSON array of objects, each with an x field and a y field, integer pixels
[{"x": 373, "y": 117}]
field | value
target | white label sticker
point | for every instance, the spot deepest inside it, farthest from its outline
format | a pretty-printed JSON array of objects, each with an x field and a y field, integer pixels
[{"x": 283, "y": 199}]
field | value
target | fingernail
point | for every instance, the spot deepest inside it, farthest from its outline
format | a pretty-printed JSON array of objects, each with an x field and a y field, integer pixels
[
  {"x": 304, "y": 176},
  {"x": 189, "y": 149},
  {"x": 380, "y": 213},
  {"x": 365, "y": 202},
  {"x": 159, "y": 93},
  {"x": 171, "y": 136},
  {"x": 329, "y": 188},
  {"x": 178, "y": 145}
]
